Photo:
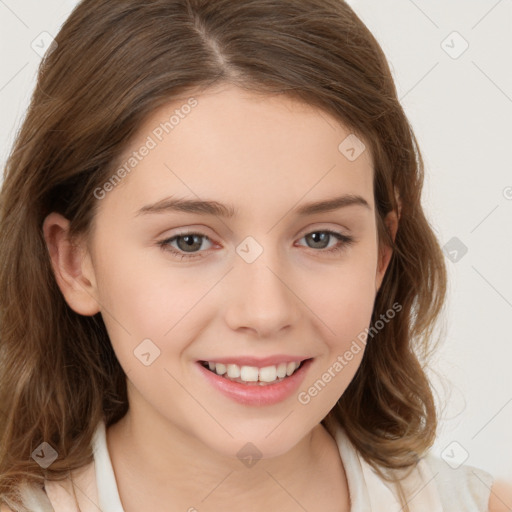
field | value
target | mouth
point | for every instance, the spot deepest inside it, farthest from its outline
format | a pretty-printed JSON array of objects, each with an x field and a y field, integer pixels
[
  {"x": 254, "y": 375},
  {"x": 256, "y": 382}
]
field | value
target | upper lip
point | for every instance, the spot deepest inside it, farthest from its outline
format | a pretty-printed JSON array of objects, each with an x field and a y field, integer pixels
[{"x": 259, "y": 362}]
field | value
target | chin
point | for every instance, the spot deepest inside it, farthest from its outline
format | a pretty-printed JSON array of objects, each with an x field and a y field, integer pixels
[{"x": 256, "y": 441}]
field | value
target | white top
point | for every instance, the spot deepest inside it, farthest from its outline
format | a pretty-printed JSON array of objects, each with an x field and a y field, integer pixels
[{"x": 433, "y": 486}]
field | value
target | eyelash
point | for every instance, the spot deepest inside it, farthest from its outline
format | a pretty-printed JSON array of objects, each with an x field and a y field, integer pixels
[{"x": 345, "y": 240}]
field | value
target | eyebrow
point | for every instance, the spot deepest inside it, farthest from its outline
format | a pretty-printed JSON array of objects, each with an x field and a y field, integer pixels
[{"x": 204, "y": 207}]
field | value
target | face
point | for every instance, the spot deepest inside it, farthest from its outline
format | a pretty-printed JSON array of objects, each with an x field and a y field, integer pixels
[{"x": 263, "y": 290}]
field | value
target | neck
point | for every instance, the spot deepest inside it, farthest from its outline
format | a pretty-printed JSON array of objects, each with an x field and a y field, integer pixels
[{"x": 165, "y": 464}]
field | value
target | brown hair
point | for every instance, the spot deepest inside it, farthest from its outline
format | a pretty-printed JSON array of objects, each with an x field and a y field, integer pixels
[{"x": 115, "y": 63}]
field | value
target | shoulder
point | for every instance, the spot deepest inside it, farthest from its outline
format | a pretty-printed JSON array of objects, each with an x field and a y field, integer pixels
[
  {"x": 500, "y": 499},
  {"x": 470, "y": 486}
]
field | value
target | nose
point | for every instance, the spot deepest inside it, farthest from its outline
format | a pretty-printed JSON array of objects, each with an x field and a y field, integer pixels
[{"x": 262, "y": 299}]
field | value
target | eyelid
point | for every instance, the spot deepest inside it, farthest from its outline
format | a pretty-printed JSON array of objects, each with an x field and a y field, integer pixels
[
  {"x": 343, "y": 242},
  {"x": 324, "y": 227},
  {"x": 200, "y": 231}
]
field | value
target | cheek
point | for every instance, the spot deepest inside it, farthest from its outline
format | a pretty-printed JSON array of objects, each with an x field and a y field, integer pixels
[
  {"x": 345, "y": 312},
  {"x": 344, "y": 296},
  {"x": 147, "y": 297},
  {"x": 145, "y": 301}
]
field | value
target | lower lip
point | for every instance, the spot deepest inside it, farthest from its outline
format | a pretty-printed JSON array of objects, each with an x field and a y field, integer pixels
[{"x": 255, "y": 394}]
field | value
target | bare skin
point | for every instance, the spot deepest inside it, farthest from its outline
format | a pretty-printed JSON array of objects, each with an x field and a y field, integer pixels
[
  {"x": 177, "y": 446},
  {"x": 317, "y": 484}
]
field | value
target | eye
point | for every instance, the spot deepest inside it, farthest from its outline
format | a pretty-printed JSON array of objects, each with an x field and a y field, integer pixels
[
  {"x": 189, "y": 244},
  {"x": 319, "y": 239}
]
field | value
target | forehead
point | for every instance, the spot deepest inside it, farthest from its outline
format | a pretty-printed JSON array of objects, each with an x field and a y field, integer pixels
[{"x": 251, "y": 150}]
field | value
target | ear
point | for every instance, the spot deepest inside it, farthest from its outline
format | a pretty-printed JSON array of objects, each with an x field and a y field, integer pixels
[
  {"x": 385, "y": 251},
  {"x": 72, "y": 266}
]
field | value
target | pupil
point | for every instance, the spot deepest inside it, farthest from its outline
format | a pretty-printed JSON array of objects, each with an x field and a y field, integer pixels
[
  {"x": 319, "y": 235},
  {"x": 190, "y": 240}
]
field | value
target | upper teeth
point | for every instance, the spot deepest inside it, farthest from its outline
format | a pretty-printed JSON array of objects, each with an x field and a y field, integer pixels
[{"x": 253, "y": 373}]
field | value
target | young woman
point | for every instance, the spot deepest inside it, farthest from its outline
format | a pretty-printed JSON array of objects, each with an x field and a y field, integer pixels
[{"x": 218, "y": 283}]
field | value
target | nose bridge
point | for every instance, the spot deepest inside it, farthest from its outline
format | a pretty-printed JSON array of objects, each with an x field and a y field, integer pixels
[{"x": 263, "y": 300}]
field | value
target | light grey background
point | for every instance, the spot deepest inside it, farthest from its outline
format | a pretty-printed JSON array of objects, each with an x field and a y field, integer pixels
[{"x": 460, "y": 109}]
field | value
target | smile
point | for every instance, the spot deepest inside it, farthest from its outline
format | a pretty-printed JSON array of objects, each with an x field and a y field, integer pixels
[
  {"x": 253, "y": 374},
  {"x": 255, "y": 382}
]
